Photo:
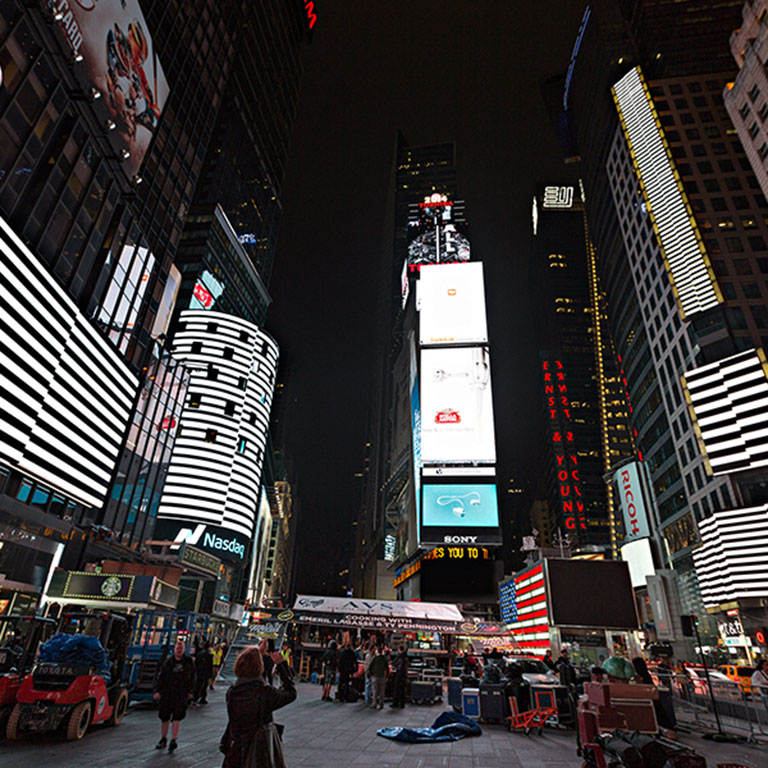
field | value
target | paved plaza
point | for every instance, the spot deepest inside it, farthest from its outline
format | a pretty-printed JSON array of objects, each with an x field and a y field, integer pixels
[{"x": 322, "y": 735}]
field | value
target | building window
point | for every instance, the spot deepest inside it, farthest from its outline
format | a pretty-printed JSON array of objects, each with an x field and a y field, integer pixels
[
  {"x": 763, "y": 151},
  {"x": 213, "y": 373},
  {"x": 744, "y": 111},
  {"x": 229, "y": 409},
  {"x": 242, "y": 382},
  {"x": 211, "y": 435},
  {"x": 712, "y": 185},
  {"x": 212, "y": 327},
  {"x": 242, "y": 444},
  {"x": 753, "y": 129},
  {"x": 228, "y": 353},
  {"x": 243, "y": 335},
  {"x": 252, "y": 418},
  {"x": 754, "y": 92},
  {"x": 195, "y": 398},
  {"x": 763, "y": 112},
  {"x": 197, "y": 347},
  {"x": 757, "y": 243}
]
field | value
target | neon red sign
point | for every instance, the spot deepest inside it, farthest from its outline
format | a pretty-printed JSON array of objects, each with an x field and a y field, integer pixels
[
  {"x": 309, "y": 7},
  {"x": 447, "y": 417},
  {"x": 566, "y": 458},
  {"x": 203, "y": 296}
]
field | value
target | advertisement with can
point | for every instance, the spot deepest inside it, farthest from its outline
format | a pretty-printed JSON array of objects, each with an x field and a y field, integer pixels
[
  {"x": 457, "y": 406},
  {"x": 117, "y": 64},
  {"x": 452, "y": 304}
]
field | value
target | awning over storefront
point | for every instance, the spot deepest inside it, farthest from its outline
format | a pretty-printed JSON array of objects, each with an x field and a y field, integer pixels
[{"x": 388, "y": 616}]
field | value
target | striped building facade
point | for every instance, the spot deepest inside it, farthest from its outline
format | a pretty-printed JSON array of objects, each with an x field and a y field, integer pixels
[{"x": 215, "y": 470}]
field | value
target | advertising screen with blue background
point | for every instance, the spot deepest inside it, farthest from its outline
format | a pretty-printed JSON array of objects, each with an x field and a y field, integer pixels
[{"x": 462, "y": 506}]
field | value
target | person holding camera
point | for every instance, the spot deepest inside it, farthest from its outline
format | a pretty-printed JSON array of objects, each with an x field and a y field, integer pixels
[{"x": 252, "y": 740}]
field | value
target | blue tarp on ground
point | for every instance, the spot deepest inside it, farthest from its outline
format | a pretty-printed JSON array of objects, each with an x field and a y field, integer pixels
[
  {"x": 76, "y": 649},
  {"x": 449, "y": 726}
]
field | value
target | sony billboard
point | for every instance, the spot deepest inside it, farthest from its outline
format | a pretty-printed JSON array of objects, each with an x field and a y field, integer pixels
[
  {"x": 452, "y": 304},
  {"x": 460, "y": 513},
  {"x": 456, "y": 406}
]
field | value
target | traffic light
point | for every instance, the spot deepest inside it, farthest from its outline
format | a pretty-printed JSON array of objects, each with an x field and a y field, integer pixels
[{"x": 689, "y": 624}]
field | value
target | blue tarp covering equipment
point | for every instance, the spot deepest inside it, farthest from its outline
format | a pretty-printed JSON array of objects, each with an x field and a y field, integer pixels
[
  {"x": 82, "y": 650},
  {"x": 449, "y": 726}
]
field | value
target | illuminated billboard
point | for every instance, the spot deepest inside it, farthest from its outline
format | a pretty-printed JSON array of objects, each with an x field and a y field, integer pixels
[
  {"x": 65, "y": 393},
  {"x": 727, "y": 400},
  {"x": 456, "y": 406},
  {"x": 452, "y": 304},
  {"x": 459, "y": 513},
  {"x": 685, "y": 257},
  {"x": 461, "y": 506},
  {"x": 629, "y": 481},
  {"x": 117, "y": 64}
]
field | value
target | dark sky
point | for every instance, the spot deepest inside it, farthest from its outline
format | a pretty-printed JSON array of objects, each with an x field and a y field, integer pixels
[{"x": 438, "y": 70}]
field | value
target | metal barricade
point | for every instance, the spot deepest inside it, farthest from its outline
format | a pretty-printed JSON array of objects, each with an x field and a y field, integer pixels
[{"x": 737, "y": 711}]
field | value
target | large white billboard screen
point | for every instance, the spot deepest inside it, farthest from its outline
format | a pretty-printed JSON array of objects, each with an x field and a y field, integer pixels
[
  {"x": 452, "y": 302},
  {"x": 456, "y": 406}
]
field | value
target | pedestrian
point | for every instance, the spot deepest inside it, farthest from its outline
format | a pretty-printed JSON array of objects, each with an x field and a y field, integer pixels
[
  {"x": 369, "y": 654},
  {"x": 347, "y": 668},
  {"x": 269, "y": 665},
  {"x": 203, "y": 672},
  {"x": 330, "y": 663},
  {"x": 378, "y": 671},
  {"x": 173, "y": 692},
  {"x": 548, "y": 660},
  {"x": 251, "y": 739},
  {"x": 565, "y": 669},
  {"x": 216, "y": 654},
  {"x": 760, "y": 680},
  {"x": 399, "y": 678}
]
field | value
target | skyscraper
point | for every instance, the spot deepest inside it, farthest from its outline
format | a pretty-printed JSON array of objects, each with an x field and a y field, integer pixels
[
  {"x": 677, "y": 220},
  {"x": 585, "y": 406},
  {"x": 106, "y": 116}
]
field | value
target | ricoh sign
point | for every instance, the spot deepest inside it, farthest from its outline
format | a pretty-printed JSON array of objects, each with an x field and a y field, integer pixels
[{"x": 628, "y": 484}]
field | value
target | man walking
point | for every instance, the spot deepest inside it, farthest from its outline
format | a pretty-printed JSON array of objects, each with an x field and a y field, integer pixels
[
  {"x": 203, "y": 672},
  {"x": 378, "y": 669},
  {"x": 399, "y": 679},
  {"x": 173, "y": 691},
  {"x": 347, "y": 667}
]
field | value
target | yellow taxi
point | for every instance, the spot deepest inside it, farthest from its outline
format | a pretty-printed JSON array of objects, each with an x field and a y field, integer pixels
[{"x": 739, "y": 674}]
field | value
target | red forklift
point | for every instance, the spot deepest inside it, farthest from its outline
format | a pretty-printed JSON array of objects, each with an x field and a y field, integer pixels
[
  {"x": 68, "y": 696},
  {"x": 19, "y": 640}
]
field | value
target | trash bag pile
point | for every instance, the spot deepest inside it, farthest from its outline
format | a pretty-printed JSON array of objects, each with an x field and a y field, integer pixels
[
  {"x": 449, "y": 726},
  {"x": 81, "y": 650}
]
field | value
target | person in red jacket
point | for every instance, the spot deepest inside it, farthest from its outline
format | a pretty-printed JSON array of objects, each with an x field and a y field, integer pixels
[{"x": 173, "y": 692}]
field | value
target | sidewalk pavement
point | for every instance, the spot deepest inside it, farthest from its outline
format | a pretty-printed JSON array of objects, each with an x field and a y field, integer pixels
[{"x": 319, "y": 734}]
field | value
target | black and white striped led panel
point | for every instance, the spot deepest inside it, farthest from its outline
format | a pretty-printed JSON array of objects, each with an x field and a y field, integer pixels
[
  {"x": 729, "y": 401},
  {"x": 65, "y": 394},
  {"x": 687, "y": 262},
  {"x": 730, "y": 564},
  {"x": 214, "y": 474}
]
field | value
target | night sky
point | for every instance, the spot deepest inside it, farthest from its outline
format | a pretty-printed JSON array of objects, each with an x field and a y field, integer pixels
[{"x": 437, "y": 70}]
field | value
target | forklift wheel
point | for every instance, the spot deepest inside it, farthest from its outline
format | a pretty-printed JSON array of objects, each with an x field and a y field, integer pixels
[
  {"x": 12, "y": 726},
  {"x": 79, "y": 721},
  {"x": 121, "y": 705}
]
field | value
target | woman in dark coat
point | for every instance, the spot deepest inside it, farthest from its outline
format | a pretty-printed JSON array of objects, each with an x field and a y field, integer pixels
[{"x": 251, "y": 739}]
